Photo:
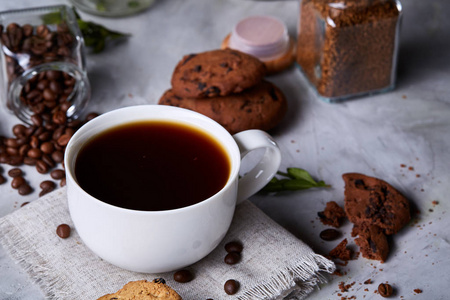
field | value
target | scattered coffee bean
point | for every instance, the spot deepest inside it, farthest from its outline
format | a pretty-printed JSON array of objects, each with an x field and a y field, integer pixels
[
  {"x": 62, "y": 182},
  {"x": 385, "y": 290},
  {"x": 58, "y": 174},
  {"x": 63, "y": 140},
  {"x": 329, "y": 234},
  {"x": 234, "y": 247},
  {"x": 232, "y": 258},
  {"x": 29, "y": 161},
  {"x": 47, "y": 186},
  {"x": 63, "y": 231},
  {"x": 42, "y": 167},
  {"x": 14, "y": 172},
  {"x": 25, "y": 203},
  {"x": 17, "y": 182},
  {"x": 25, "y": 189},
  {"x": 57, "y": 156},
  {"x": 231, "y": 287},
  {"x": 183, "y": 276}
]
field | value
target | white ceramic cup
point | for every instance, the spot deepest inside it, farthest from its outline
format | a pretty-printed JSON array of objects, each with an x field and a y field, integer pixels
[{"x": 162, "y": 241}]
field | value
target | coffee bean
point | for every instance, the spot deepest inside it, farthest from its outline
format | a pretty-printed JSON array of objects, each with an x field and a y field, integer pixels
[
  {"x": 19, "y": 130},
  {"x": 36, "y": 119},
  {"x": 17, "y": 182},
  {"x": 48, "y": 160},
  {"x": 12, "y": 151},
  {"x": 57, "y": 133},
  {"x": 42, "y": 167},
  {"x": 58, "y": 174},
  {"x": 329, "y": 234},
  {"x": 49, "y": 95},
  {"x": 231, "y": 287},
  {"x": 23, "y": 150},
  {"x": 29, "y": 161},
  {"x": 44, "y": 136},
  {"x": 63, "y": 231},
  {"x": 34, "y": 142},
  {"x": 183, "y": 276},
  {"x": 385, "y": 290},
  {"x": 59, "y": 118},
  {"x": 25, "y": 189},
  {"x": 11, "y": 142},
  {"x": 25, "y": 203},
  {"x": 14, "y": 160},
  {"x": 47, "y": 184},
  {"x": 232, "y": 258},
  {"x": 57, "y": 156},
  {"x": 62, "y": 182},
  {"x": 34, "y": 153},
  {"x": 234, "y": 247},
  {"x": 47, "y": 147},
  {"x": 2, "y": 179},
  {"x": 63, "y": 140},
  {"x": 14, "y": 172}
]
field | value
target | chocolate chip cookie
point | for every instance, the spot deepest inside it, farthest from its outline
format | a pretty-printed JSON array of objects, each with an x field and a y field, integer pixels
[
  {"x": 143, "y": 290},
  {"x": 372, "y": 201},
  {"x": 216, "y": 73},
  {"x": 261, "y": 107}
]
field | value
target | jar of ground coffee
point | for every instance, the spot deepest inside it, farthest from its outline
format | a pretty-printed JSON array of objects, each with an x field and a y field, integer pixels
[
  {"x": 348, "y": 48},
  {"x": 43, "y": 63}
]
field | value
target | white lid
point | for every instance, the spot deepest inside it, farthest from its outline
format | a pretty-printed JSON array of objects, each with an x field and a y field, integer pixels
[{"x": 262, "y": 36}]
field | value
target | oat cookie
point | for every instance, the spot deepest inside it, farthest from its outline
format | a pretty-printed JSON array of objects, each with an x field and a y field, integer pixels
[
  {"x": 143, "y": 290},
  {"x": 216, "y": 73},
  {"x": 261, "y": 107},
  {"x": 371, "y": 201}
]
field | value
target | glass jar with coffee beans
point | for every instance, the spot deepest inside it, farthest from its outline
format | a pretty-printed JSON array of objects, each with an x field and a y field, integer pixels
[{"x": 43, "y": 63}]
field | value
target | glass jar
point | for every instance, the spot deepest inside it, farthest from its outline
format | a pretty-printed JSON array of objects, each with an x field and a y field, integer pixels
[
  {"x": 112, "y": 8},
  {"x": 348, "y": 48},
  {"x": 43, "y": 62}
]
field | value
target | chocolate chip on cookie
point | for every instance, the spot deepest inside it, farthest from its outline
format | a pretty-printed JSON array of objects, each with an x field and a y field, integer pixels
[
  {"x": 261, "y": 107},
  {"x": 216, "y": 73}
]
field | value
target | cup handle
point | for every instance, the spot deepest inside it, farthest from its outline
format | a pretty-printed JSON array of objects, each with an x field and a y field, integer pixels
[{"x": 265, "y": 169}]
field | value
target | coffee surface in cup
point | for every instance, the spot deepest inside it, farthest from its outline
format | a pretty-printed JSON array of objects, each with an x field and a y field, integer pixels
[{"x": 152, "y": 166}]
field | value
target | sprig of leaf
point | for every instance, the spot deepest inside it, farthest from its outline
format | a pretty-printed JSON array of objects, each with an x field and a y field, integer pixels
[
  {"x": 95, "y": 35},
  {"x": 294, "y": 179}
]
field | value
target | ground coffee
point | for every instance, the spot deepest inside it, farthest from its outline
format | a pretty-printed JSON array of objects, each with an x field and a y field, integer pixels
[{"x": 348, "y": 48}]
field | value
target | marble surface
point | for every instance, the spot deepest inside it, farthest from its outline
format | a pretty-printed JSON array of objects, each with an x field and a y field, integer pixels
[{"x": 402, "y": 136}]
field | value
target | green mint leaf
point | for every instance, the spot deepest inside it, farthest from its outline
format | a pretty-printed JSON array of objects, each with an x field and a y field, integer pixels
[
  {"x": 298, "y": 173},
  {"x": 297, "y": 179}
]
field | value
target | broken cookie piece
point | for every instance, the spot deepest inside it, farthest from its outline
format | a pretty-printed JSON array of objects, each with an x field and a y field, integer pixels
[
  {"x": 372, "y": 242},
  {"x": 333, "y": 215},
  {"x": 341, "y": 251},
  {"x": 372, "y": 201}
]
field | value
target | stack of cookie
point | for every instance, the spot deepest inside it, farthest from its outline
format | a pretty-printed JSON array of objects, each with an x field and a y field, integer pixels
[{"x": 229, "y": 87}]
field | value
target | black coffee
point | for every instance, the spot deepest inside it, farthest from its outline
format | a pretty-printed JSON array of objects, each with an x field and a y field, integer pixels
[{"x": 152, "y": 165}]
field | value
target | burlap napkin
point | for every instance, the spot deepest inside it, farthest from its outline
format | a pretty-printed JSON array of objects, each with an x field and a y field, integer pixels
[{"x": 274, "y": 263}]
